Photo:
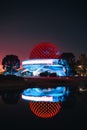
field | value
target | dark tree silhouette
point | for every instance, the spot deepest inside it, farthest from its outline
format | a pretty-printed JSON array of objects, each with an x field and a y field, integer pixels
[
  {"x": 11, "y": 97},
  {"x": 11, "y": 63},
  {"x": 70, "y": 57}
]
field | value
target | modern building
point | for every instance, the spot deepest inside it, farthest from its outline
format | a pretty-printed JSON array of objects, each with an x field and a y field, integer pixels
[{"x": 34, "y": 67}]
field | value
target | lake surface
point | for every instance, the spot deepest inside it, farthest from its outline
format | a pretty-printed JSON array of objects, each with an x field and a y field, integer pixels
[{"x": 15, "y": 113}]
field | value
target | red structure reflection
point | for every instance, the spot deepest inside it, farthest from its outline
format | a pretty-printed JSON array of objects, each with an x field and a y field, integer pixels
[
  {"x": 45, "y": 109},
  {"x": 41, "y": 51},
  {"x": 45, "y": 50}
]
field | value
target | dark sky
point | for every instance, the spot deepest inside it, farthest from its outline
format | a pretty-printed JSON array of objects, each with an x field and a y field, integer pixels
[{"x": 26, "y": 23}]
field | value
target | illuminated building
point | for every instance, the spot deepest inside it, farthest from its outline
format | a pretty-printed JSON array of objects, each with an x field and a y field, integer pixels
[
  {"x": 45, "y": 50},
  {"x": 34, "y": 67},
  {"x": 46, "y": 103},
  {"x": 45, "y": 57}
]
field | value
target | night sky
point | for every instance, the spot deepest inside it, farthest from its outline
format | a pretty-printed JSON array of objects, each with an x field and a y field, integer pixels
[{"x": 25, "y": 23}]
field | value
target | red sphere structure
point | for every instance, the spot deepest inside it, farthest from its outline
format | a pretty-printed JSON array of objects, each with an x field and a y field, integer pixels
[
  {"x": 45, "y": 109},
  {"x": 45, "y": 50}
]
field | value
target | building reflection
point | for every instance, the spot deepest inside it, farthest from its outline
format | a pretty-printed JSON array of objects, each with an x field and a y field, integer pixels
[
  {"x": 47, "y": 103},
  {"x": 40, "y": 109},
  {"x": 45, "y": 109}
]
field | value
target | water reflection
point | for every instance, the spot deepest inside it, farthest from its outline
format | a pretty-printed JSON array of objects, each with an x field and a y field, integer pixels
[
  {"x": 10, "y": 96},
  {"x": 58, "y": 94},
  {"x": 46, "y": 103},
  {"x": 45, "y": 109},
  {"x": 22, "y": 114}
]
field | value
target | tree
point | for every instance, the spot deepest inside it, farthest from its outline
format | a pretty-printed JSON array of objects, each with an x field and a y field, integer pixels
[
  {"x": 70, "y": 58},
  {"x": 11, "y": 97},
  {"x": 11, "y": 63}
]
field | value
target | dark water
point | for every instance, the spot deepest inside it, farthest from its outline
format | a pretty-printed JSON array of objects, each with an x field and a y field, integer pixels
[{"x": 15, "y": 113}]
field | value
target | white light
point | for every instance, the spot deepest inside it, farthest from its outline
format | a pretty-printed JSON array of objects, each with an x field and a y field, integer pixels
[
  {"x": 39, "y": 61},
  {"x": 82, "y": 89},
  {"x": 34, "y": 98}
]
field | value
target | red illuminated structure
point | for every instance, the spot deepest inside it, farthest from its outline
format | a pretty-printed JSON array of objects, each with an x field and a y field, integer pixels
[
  {"x": 45, "y": 109},
  {"x": 45, "y": 50},
  {"x": 41, "y": 51}
]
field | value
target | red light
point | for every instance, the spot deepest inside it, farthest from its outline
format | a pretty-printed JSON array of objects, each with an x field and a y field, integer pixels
[
  {"x": 45, "y": 109},
  {"x": 45, "y": 50}
]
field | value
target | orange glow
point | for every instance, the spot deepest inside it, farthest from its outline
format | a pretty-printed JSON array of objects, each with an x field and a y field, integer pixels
[{"x": 45, "y": 109}]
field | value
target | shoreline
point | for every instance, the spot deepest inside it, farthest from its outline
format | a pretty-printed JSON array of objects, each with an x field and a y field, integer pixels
[{"x": 16, "y": 82}]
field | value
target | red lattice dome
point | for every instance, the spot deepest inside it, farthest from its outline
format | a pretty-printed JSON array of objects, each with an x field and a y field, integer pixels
[
  {"x": 45, "y": 109},
  {"x": 45, "y": 50}
]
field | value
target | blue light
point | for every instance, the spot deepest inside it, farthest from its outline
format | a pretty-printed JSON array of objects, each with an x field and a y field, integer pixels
[
  {"x": 38, "y": 66},
  {"x": 58, "y": 94}
]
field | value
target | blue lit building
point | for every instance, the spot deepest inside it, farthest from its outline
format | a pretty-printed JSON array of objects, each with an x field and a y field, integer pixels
[
  {"x": 34, "y": 67},
  {"x": 58, "y": 94}
]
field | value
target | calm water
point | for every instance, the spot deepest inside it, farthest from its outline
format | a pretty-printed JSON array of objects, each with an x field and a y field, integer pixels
[{"x": 16, "y": 113}]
